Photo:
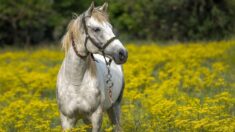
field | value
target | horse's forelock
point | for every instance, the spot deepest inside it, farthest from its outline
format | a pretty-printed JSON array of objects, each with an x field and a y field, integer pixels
[{"x": 99, "y": 15}]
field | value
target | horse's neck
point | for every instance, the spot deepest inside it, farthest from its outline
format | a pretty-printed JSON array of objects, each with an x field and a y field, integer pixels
[{"x": 75, "y": 67}]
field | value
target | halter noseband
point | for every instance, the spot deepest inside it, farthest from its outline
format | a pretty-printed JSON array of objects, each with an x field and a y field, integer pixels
[{"x": 88, "y": 37}]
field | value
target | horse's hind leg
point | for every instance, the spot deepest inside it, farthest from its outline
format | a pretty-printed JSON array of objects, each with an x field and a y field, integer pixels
[
  {"x": 67, "y": 122},
  {"x": 114, "y": 116},
  {"x": 114, "y": 112}
]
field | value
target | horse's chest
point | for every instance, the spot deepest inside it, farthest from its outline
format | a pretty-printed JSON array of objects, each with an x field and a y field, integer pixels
[
  {"x": 80, "y": 99},
  {"x": 87, "y": 99}
]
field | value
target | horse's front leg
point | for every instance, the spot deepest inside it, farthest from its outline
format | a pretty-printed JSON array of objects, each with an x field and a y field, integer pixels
[
  {"x": 96, "y": 119},
  {"x": 67, "y": 122},
  {"x": 114, "y": 116}
]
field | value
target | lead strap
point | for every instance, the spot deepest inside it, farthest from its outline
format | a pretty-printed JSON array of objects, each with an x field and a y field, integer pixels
[{"x": 109, "y": 82}]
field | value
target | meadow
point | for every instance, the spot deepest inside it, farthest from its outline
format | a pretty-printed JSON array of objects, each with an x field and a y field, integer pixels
[{"x": 178, "y": 87}]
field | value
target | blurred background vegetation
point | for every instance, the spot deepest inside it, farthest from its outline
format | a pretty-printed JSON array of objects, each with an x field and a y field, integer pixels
[{"x": 36, "y": 21}]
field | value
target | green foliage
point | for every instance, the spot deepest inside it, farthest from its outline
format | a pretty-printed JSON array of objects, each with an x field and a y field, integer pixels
[
  {"x": 175, "y": 19},
  {"x": 39, "y": 20},
  {"x": 26, "y": 21}
]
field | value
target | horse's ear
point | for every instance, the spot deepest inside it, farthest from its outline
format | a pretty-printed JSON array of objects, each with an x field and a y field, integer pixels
[
  {"x": 104, "y": 7},
  {"x": 90, "y": 9}
]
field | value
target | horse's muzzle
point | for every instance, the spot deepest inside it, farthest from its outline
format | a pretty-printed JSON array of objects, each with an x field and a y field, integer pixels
[{"x": 121, "y": 56}]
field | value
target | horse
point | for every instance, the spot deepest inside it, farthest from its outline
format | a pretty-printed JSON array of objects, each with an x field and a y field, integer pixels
[{"x": 90, "y": 80}]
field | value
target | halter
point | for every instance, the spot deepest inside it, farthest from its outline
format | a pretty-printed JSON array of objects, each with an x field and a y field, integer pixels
[{"x": 96, "y": 44}]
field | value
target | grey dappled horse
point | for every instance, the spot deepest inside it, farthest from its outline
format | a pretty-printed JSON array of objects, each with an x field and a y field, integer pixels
[{"x": 82, "y": 91}]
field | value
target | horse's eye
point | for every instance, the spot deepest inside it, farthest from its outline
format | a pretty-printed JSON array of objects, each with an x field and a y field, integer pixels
[{"x": 96, "y": 29}]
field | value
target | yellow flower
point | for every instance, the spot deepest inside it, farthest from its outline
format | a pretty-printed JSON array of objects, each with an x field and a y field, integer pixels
[{"x": 182, "y": 87}]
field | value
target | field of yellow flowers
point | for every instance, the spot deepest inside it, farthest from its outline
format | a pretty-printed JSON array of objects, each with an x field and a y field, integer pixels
[{"x": 180, "y": 87}]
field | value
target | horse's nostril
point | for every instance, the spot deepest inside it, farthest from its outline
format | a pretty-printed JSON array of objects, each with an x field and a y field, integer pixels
[{"x": 122, "y": 54}]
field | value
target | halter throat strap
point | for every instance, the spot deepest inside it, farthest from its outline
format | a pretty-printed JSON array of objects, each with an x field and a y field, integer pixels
[{"x": 74, "y": 47}]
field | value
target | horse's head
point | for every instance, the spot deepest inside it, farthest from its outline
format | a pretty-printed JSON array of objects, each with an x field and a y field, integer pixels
[{"x": 100, "y": 36}]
